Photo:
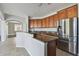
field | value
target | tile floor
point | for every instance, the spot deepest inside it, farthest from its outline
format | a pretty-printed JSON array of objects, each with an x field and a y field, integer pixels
[
  {"x": 8, "y": 48},
  {"x": 62, "y": 53}
]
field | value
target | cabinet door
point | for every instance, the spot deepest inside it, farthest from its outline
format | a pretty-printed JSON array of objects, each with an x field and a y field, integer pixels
[
  {"x": 55, "y": 19},
  {"x": 35, "y": 23},
  {"x": 51, "y": 48},
  {"x": 51, "y": 21},
  {"x": 39, "y": 23},
  {"x": 43, "y": 23},
  {"x": 31, "y": 23},
  {"x": 62, "y": 14},
  {"x": 72, "y": 11},
  {"x": 47, "y": 22}
]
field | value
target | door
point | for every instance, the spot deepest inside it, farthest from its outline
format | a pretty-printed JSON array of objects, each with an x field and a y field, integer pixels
[{"x": 73, "y": 35}]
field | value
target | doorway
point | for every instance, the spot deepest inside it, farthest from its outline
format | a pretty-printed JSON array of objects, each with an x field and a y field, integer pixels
[{"x": 13, "y": 27}]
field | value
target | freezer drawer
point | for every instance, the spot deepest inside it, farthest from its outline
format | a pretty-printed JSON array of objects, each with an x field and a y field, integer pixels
[{"x": 73, "y": 45}]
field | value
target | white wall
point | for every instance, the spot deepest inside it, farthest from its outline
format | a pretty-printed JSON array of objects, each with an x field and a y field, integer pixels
[
  {"x": 3, "y": 30},
  {"x": 2, "y": 27},
  {"x": 11, "y": 28},
  {"x": 1, "y": 18},
  {"x": 27, "y": 24}
]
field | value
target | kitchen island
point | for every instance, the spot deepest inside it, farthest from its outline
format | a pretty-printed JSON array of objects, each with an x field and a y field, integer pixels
[
  {"x": 50, "y": 43},
  {"x": 38, "y": 45}
]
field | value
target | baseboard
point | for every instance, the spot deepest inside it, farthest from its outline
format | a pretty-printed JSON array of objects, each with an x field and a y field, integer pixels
[
  {"x": 10, "y": 36},
  {"x": 20, "y": 46}
]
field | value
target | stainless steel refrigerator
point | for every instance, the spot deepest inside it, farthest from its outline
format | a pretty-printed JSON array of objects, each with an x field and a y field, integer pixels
[
  {"x": 73, "y": 36},
  {"x": 70, "y": 31}
]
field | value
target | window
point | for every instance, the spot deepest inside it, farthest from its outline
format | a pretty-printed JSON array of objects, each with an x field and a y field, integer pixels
[{"x": 18, "y": 27}]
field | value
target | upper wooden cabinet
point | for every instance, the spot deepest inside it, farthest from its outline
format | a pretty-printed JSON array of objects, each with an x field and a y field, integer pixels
[
  {"x": 31, "y": 24},
  {"x": 51, "y": 21},
  {"x": 62, "y": 14},
  {"x": 35, "y": 23},
  {"x": 55, "y": 19},
  {"x": 43, "y": 22},
  {"x": 39, "y": 23},
  {"x": 47, "y": 22},
  {"x": 72, "y": 11}
]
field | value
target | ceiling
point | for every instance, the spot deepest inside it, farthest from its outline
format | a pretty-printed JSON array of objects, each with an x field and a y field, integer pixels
[{"x": 31, "y": 9}]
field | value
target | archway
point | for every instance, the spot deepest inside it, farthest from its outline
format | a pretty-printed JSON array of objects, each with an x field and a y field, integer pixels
[{"x": 12, "y": 27}]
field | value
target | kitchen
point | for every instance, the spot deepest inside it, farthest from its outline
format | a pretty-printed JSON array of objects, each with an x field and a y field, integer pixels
[{"x": 42, "y": 35}]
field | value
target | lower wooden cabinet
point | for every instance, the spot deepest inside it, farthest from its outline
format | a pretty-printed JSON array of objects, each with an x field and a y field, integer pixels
[
  {"x": 51, "y": 48},
  {"x": 50, "y": 45}
]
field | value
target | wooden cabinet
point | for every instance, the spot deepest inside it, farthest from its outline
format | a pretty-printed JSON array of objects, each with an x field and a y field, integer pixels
[
  {"x": 72, "y": 11},
  {"x": 51, "y": 22},
  {"x": 62, "y": 14},
  {"x": 43, "y": 22},
  {"x": 47, "y": 22},
  {"x": 39, "y": 23},
  {"x": 31, "y": 24},
  {"x": 55, "y": 19},
  {"x": 68, "y": 12},
  {"x": 51, "y": 48},
  {"x": 34, "y": 23}
]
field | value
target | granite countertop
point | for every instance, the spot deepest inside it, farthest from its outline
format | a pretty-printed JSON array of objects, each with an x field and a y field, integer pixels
[{"x": 45, "y": 38}]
